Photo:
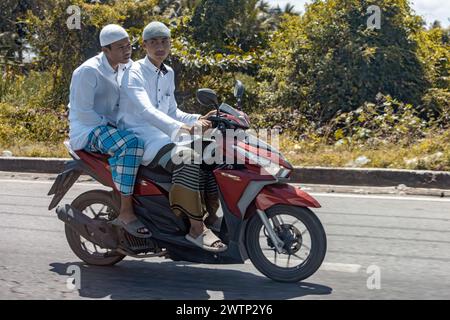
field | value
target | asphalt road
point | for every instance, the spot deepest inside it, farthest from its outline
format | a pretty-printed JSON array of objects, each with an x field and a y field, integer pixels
[{"x": 379, "y": 247}]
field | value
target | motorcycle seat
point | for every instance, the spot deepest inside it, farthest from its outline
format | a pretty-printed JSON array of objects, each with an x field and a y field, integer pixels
[{"x": 157, "y": 174}]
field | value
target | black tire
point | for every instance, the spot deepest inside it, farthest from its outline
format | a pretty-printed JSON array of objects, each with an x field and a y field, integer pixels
[
  {"x": 73, "y": 238},
  {"x": 309, "y": 266}
]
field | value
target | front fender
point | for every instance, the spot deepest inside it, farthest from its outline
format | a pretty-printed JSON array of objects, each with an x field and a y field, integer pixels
[{"x": 286, "y": 194}]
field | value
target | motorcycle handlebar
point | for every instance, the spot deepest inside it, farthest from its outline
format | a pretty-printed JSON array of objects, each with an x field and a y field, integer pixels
[{"x": 217, "y": 120}]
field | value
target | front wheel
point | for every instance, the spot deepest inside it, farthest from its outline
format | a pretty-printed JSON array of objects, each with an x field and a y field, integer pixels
[{"x": 305, "y": 243}]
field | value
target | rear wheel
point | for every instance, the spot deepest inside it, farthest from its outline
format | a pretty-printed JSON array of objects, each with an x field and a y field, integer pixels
[
  {"x": 96, "y": 204},
  {"x": 304, "y": 238}
]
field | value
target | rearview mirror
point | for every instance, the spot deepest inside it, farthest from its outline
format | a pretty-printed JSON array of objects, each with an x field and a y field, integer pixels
[
  {"x": 207, "y": 97},
  {"x": 238, "y": 90}
]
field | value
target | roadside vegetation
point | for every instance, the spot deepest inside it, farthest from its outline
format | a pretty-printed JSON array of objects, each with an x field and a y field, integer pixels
[{"x": 341, "y": 94}]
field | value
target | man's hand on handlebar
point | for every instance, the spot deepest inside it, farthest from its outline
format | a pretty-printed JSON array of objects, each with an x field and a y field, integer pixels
[
  {"x": 209, "y": 114},
  {"x": 204, "y": 124}
]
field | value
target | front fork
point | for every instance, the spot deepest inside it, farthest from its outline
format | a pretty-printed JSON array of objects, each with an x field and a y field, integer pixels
[{"x": 272, "y": 235}]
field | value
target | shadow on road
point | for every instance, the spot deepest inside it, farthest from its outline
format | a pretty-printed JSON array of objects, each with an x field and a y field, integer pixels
[{"x": 174, "y": 280}]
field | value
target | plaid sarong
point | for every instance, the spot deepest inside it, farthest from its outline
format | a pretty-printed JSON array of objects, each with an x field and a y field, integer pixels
[{"x": 125, "y": 151}]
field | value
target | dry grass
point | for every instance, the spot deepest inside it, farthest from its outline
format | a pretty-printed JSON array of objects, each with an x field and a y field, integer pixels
[
  {"x": 431, "y": 153},
  {"x": 36, "y": 149}
]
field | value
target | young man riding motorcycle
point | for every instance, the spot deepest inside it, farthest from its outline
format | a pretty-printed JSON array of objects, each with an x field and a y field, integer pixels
[
  {"x": 149, "y": 110},
  {"x": 93, "y": 107}
]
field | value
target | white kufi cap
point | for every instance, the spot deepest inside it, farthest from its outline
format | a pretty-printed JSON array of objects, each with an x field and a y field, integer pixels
[
  {"x": 112, "y": 33},
  {"x": 155, "y": 29}
]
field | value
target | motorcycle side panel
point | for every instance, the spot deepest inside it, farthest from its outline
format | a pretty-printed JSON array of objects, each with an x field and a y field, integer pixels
[
  {"x": 145, "y": 187},
  {"x": 156, "y": 214},
  {"x": 232, "y": 185},
  {"x": 97, "y": 166},
  {"x": 286, "y": 194}
]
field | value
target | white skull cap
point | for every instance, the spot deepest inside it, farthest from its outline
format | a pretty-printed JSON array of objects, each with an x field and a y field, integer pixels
[
  {"x": 155, "y": 29},
  {"x": 112, "y": 33}
]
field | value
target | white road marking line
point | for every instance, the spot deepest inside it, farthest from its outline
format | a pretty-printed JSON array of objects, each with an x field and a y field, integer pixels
[
  {"x": 328, "y": 266},
  {"x": 47, "y": 182},
  {"x": 340, "y": 267},
  {"x": 334, "y": 195},
  {"x": 404, "y": 198},
  {"x": 218, "y": 295}
]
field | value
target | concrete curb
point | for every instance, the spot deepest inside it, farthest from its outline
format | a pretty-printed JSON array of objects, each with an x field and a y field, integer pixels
[
  {"x": 372, "y": 177},
  {"x": 38, "y": 165},
  {"x": 306, "y": 175}
]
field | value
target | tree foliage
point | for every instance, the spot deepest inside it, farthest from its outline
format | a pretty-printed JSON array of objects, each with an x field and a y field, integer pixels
[
  {"x": 335, "y": 63},
  {"x": 301, "y": 71}
]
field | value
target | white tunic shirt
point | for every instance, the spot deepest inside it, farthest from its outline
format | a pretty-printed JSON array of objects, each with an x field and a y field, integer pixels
[
  {"x": 94, "y": 98},
  {"x": 148, "y": 106}
]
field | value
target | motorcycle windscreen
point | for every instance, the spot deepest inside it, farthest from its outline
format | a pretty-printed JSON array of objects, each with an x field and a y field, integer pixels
[{"x": 236, "y": 113}]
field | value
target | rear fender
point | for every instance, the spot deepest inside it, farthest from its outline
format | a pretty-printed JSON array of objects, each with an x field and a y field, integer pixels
[{"x": 64, "y": 181}]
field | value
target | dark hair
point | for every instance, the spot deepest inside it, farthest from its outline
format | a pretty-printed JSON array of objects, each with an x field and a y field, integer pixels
[{"x": 107, "y": 46}]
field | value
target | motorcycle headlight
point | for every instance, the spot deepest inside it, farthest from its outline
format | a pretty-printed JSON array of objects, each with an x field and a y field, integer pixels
[{"x": 270, "y": 167}]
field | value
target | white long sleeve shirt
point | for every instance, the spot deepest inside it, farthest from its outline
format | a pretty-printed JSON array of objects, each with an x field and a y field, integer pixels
[
  {"x": 148, "y": 106},
  {"x": 94, "y": 98}
]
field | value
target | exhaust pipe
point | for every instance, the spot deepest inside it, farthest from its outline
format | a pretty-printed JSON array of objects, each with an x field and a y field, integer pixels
[{"x": 95, "y": 231}]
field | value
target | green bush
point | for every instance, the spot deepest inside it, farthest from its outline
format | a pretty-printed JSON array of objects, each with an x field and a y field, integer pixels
[
  {"x": 436, "y": 105},
  {"x": 385, "y": 121},
  {"x": 25, "y": 115}
]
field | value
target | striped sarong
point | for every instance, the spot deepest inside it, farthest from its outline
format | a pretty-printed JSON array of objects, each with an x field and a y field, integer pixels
[{"x": 194, "y": 188}]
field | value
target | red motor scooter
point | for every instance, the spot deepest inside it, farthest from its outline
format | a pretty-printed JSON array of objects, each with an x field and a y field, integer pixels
[{"x": 264, "y": 218}]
